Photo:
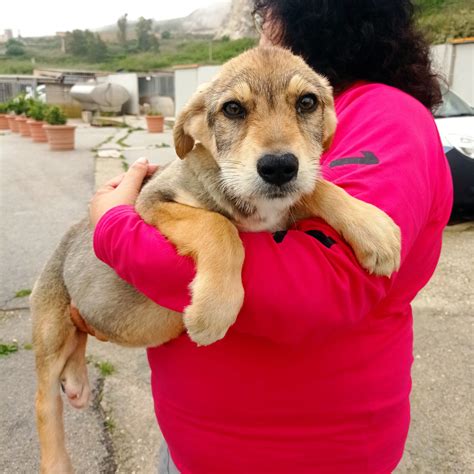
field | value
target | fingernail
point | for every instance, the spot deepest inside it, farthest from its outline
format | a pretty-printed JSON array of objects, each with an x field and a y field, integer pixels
[{"x": 142, "y": 160}]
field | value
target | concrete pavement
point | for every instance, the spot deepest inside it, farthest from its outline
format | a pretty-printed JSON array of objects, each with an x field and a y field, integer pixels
[{"x": 42, "y": 193}]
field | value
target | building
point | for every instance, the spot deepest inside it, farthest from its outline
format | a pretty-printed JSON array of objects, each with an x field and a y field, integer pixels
[
  {"x": 154, "y": 88},
  {"x": 455, "y": 62},
  {"x": 7, "y": 35},
  {"x": 188, "y": 78}
]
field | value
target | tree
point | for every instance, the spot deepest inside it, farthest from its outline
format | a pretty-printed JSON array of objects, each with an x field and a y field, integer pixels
[
  {"x": 122, "y": 30},
  {"x": 76, "y": 43},
  {"x": 86, "y": 44},
  {"x": 14, "y": 48},
  {"x": 96, "y": 48},
  {"x": 146, "y": 39}
]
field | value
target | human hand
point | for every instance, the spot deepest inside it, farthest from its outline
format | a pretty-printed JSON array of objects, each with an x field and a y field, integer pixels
[{"x": 121, "y": 190}]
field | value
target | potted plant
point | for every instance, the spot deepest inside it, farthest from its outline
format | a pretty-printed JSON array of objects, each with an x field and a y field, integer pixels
[
  {"x": 4, "y": 116},
  {"x": 19, "y": 105},
  {"x": 36, "y": 114},
  {"x": 155, "y": 122},
  {"x": 15, "y": 108},
  {"x": 60, "y": 135},
  {"x": 23, "y": 119}
]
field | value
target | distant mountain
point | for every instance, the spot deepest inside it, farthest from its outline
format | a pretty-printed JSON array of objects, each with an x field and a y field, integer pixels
[
  {"x": 239, "y": 22},
  {"x": 204, "y": 21},
  {"x": 230, "y": 18}
]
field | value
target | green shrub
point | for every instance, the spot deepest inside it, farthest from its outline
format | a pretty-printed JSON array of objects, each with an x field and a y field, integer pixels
[
  {"x": 13, "y": 47},
  {"x": 37, "y": 111},
  {"x": 4, "y": 108},
  {"x": 55, "y": 116},
  {"x": 18, "y": 104}
]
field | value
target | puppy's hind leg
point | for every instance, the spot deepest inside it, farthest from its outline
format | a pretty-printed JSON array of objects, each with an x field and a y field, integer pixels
[{"x": 55, "y": 340}]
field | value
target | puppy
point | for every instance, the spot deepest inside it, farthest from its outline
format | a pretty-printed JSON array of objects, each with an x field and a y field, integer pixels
[{"x": 250, "y": 143}]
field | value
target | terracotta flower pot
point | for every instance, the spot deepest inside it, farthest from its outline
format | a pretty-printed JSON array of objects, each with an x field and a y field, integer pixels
[
  {"x": 37, "y": 131},
  {"x": 23, "y": 126},
  {"x": 13, "y": 124},
  {"x": 155, "y": 123},
  {"x": 4, "y": 122},
  {"x": 60, "y": 137}
]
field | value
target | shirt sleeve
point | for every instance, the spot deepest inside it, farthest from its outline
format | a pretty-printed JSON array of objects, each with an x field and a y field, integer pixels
[{"x": 307, "y": 280}]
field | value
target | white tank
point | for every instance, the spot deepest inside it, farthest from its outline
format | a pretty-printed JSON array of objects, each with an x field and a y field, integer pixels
[{"x": 105, "y": 97}]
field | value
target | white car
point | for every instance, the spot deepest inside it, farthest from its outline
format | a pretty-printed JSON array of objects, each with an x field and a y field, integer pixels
[{"x": 455, "y": 122}]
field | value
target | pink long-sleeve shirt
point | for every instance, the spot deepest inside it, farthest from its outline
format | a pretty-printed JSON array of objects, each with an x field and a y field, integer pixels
[{"x": 314, "y": 377}]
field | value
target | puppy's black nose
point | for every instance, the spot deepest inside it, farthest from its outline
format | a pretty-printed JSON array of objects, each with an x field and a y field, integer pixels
[{"x": 278, "y": 169}]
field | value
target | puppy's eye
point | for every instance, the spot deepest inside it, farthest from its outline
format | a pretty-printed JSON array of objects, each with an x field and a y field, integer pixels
[
  {"x": 233, "y": 110},
  {"x": 307, "y": 104}
]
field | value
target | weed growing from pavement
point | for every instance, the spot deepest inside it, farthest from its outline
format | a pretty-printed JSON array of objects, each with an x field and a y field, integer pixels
[
  {"x": 125, "y": 165},
  {"x": 109, "y": 424},
  {"x": 22, "y": 293},
  {"x": 107, "y": 140},
  {"x": 105, "y": 368},
  {"x": 121, "y": 141},
  {"x": 7, "y": 349}
]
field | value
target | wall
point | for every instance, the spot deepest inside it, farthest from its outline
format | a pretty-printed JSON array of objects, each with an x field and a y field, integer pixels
[
  {"x": 455, "y": 62},
  {"x": 188, "y": 79}
]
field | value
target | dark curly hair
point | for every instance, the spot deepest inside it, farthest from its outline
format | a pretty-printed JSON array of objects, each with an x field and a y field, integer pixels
[{"x": 371, "y": 40}]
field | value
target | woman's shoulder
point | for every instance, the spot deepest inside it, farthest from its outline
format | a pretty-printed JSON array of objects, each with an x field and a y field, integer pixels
[
  {"x": 381, "y": 99},
  {"x": 384, "y": 107}
]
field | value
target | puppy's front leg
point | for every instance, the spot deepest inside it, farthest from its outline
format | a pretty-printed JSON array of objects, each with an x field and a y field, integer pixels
[
  {"x": 214, "y": 244},
  {"x": 371, "y": 233}
]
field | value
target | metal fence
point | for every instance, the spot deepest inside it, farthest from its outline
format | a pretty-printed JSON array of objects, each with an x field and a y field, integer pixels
[
  {"x": 11, "y": 88},
  {"x": 156, "y": 85}
]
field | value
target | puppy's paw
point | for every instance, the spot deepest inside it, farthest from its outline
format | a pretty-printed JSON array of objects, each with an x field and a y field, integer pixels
[
  {"x": 375, "y": 239},
  {"x": 213, "y": 311}
]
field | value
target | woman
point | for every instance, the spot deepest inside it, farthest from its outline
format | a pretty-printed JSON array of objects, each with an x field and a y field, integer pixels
[{"x": 322, "y": 387}]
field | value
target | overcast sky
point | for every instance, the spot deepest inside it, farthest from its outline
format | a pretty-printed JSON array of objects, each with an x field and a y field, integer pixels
[{"x": 45, "y": 17}]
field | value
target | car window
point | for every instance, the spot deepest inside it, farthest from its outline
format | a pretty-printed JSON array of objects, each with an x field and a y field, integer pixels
[{"x": 452, "y": 106}]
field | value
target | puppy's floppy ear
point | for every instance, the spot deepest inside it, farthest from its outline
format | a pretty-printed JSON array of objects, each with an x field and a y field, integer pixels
[
  {"x": 191, "y": 123},
  {"x": 329, "y": 115}
]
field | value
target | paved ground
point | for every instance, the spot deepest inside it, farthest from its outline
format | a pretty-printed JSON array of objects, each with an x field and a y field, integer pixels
[
  {"x": 42, "y": 193},
  {"x": 441, "y": 434}
]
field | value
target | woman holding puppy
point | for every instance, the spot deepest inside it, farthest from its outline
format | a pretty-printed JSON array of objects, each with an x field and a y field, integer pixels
[{"x": 314, "y": 377}]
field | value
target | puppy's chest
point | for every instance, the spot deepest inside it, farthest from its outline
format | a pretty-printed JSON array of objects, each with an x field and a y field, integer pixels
[{"x": 269, "y": 216}]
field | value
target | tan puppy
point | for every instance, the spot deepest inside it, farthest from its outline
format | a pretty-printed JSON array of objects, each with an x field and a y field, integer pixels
[{"x": 251, "y": 142}]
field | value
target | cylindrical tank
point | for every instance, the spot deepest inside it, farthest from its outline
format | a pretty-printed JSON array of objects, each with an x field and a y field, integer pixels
[{"x": 105, "y": 97}]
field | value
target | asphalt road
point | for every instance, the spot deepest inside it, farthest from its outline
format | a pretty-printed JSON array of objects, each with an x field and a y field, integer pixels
[{"x": 42, "y": 193}]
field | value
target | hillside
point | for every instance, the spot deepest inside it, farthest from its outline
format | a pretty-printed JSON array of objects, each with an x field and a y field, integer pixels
[
  {"x": 210, "y": 35},
  {"x": 441, "y": 20}
]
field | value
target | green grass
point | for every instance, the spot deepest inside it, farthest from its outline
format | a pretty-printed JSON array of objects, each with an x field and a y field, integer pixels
[
  {"x": 105, "y": 368},
  {"x": 442, "y": 20},
  {"x": 121, "y": 141},
  {"x": 22, "y": 293},
  {"x": 48, "y": 55},
  {"x": 7, "y": 349},
  {"x": 109, "y": 424},
  {"x": 125, "y": 164}
]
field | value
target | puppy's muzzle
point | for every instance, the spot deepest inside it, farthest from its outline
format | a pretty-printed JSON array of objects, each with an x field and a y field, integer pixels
[{"x": 278, "y": 169}]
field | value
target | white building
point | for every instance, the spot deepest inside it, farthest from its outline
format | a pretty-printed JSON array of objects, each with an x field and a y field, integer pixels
[{"x": 455, "y": 62}]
